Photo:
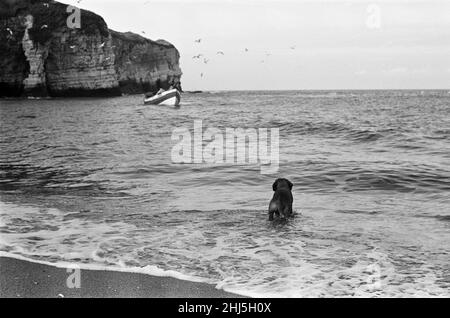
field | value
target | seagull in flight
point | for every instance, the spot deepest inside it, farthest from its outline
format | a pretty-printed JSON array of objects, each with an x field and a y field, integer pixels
[
  {"x": 220, "y": 53},
  {"x": 197, "y": 56},
  {"x": 198, "y": 41}
]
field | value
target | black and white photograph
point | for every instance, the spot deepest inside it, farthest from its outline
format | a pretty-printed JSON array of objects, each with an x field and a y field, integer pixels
[{"x": 224, "y": 149}]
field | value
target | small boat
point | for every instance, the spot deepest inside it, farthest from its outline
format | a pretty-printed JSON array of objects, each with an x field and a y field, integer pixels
[{"x": 170, "y": 97}]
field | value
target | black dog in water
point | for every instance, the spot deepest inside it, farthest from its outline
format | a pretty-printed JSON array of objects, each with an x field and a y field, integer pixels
[{"x": 281, "y": 203}]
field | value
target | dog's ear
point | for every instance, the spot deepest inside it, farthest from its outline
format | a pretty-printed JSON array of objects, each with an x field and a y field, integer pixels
[
  {"x": 290, "y": 185},
  {"x": 275, "y": 185}
]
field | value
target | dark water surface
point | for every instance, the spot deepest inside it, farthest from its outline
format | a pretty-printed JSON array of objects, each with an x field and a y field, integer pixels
[{"x": 92, "y": 181}]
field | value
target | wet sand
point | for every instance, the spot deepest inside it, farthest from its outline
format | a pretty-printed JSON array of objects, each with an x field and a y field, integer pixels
[{"x": 24, "y": 279}]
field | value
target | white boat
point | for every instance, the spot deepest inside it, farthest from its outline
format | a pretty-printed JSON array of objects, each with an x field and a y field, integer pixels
[{"x": 170, "y": 97}]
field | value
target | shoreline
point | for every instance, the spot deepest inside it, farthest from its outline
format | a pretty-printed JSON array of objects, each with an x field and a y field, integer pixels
[{"x": 26, "y": 279}]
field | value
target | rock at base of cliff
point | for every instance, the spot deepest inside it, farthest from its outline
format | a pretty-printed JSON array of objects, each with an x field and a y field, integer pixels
[{"x": 80, "y": 92}]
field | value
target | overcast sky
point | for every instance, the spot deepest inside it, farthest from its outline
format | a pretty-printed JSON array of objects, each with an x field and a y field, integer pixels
[{"x": 332, "y": 44}]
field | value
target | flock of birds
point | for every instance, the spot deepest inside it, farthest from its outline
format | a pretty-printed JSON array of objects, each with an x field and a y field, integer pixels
[
  {"x": 246, "y": 50},
  {"x": 200, "y": 56}
]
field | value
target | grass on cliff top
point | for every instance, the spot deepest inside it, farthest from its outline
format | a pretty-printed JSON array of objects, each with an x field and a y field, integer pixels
[
  {"x": 136, "y": 38},
  {"x": 53, "y": 17},
  {"x": 11, "y": 8}
]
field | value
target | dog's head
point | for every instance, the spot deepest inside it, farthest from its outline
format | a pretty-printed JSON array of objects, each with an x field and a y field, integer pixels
[{"x": 282, "y": 183}]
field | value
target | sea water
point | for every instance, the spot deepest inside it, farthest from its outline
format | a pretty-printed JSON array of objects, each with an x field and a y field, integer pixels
[{"x": 92, "y": 182}]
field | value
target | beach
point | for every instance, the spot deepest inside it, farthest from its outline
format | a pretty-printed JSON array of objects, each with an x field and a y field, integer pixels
[{"x": 23, "y": 279}]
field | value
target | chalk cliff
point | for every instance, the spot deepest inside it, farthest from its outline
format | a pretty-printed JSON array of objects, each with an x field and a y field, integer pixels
[
  {"x": 40, "y": 55},
  {"x": 140, "y": 62}
]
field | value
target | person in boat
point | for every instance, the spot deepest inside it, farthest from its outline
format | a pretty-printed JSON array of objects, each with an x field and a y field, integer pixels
[{"x": 177, "y": 85}]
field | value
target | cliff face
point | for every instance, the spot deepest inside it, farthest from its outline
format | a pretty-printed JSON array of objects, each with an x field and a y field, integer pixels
[
  {"x": 41, "y": 56},
  {"x": 13, "y": 62},
  {"x": 140, "y": 62}
]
